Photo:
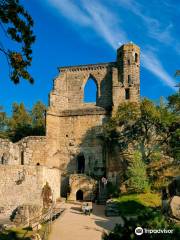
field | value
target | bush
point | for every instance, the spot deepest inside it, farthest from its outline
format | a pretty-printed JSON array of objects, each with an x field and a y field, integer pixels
[
  {"x": 148, "y": 219},
  {"x": 112, "y": 190},
  {"x": 137, "y": 177}
]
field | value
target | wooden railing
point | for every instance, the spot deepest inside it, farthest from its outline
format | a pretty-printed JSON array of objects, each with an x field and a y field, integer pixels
[{"x": 47, "y": 218}]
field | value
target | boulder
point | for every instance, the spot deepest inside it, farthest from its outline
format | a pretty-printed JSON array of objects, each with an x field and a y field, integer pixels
[{"x": 175, "y": 207}]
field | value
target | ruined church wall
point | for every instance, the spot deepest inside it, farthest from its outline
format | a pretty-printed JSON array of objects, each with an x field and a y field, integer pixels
[
  {"x": 28, "y": 151},
  {"x": 9, "y": 152},
  {"x": 14, "y": 192},
  {"x": 34, "y": 150},
  {"x": 70, "y": 135},
  {"x": 68, "y": 90}
]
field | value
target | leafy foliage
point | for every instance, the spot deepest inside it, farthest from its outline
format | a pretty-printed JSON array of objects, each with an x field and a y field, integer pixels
[
  {"x": 17, "y": 25},
  {"x": 3, "y": 121},
  {"x": 137, "y": 176},
  {"x": 23, "y": 123},
  {"x": 152, "y": 130},
  {"x": 149, "y": 219},
  {"x": 112, "y": 190},
  {"x": 19, "y": 124},
  {"x": 38, "y": 118}
]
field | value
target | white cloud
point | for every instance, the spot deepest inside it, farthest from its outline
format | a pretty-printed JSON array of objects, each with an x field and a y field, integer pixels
[
  {"x": 97, "y": 17},
  {"x": 155, "y": 30},
  {"x": 106, "y": 24},
  {"x": 151, "y": 62},
  {"x": 71, "y": 11}
]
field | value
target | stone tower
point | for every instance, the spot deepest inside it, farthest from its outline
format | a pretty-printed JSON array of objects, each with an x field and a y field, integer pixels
[{"x": 126, "y": 75}]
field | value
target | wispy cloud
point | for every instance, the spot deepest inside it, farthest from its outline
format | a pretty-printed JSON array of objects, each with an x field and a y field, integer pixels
[
  {"x": 106, "y": 24},
  {"x": 71, "y": 11},
  {"x": 151, "y": 62},
  {"x": 97, "y": 17},
  {"x": 154, "y": 27}
]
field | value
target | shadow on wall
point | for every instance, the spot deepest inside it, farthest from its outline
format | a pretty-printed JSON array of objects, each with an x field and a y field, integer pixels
[
  {"x": 82, "y": 161},
  {"x": 79, "y": 161}
]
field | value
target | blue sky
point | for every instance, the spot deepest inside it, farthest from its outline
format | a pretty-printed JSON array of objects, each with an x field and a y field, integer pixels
[{"x": 70, "y": 32}]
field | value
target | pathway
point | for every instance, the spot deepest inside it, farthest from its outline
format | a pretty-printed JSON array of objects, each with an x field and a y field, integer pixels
[{"x": 74, "y": 225}]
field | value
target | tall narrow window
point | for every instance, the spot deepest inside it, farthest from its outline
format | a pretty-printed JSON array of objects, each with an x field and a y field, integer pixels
[
  {"x": 22, "y": 157},
  {"x": 90, "y": 91},
  {"x": 2, "y": 159},
  {"x": 129, "y": 79},
  {"x": 80, "y": 163},
  {"x": 127, "y": 93},
  {"x": 136, "y": 57}
]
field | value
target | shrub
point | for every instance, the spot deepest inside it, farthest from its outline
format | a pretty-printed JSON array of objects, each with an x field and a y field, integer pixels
[
  {"x": 137, "y": 177},
  {"x": 148, "y": 219}
]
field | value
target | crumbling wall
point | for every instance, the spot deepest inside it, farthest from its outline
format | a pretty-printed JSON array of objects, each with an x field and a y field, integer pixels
[
  {"x": 68, "y": 90},
  {"x": 84, "y": 183},
  {"x": 28, "y": 151},
  {"x": 23, "y": 184},
  {"x": 9, "y": 152},
  {"x": 33, "y": 149}
]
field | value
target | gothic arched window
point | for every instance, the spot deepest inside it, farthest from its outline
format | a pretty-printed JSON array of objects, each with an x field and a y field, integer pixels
[{"x": 90, "y": 91}]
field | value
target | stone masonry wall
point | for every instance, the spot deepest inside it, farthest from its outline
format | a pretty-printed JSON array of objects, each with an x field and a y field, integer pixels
[
  {"x": 9, "y": 152},
  {"x": 23, "y": 184},
  {"x": 71, "y": 123},
  {"x": 33, "y": 149},
  {"x": 28, "y": 151},
  {"x": 68, "y": 90},
  {"x": 71, "y": 136}
]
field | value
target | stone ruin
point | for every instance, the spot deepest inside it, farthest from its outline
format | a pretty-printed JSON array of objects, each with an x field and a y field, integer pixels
[{"x": 71, "y": 156}]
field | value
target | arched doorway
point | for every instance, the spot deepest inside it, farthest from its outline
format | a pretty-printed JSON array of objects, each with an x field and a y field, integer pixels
[
  {"x": 79, "y": 195},
  {"x": 80, "y": 163}
]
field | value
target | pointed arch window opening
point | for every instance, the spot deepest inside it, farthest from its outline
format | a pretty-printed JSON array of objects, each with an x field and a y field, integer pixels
[{"x": 90, "y": 91}]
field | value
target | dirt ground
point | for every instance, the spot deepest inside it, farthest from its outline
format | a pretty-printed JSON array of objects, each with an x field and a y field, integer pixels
[{"x": 74, "y": 225}]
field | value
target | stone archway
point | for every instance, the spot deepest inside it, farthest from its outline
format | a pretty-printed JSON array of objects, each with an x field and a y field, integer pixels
[{"x": 79, "y": 195}]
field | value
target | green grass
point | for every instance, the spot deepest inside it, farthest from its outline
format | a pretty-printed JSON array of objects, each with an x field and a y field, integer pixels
[
  {"x": 20, "y": 233},
  {"x": 134, "y": 204},
  {"x": 15, "y": 234}
]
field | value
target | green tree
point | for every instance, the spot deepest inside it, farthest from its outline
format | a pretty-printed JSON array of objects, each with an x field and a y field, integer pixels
[
  {"x": 3, "y": 122},
  {"x": 174, "y": 139},
  {"x": 151, "y": 129},
  {"x": 137, "y": 176},
  {"x": 38, "y": 118},
  {"x": 16, "y": 23},
  {"x": 19, "y": 125},
  {"x": 174, "y": 102}
]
